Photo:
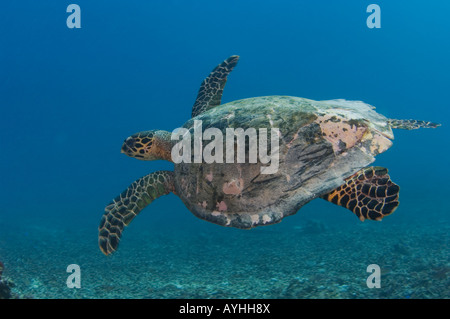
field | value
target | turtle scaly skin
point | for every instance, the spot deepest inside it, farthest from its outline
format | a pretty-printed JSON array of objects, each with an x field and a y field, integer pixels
[
  {"x": 369, "y": 193},
  {"x": 211, "y": 89},
  {"x": 121, "y": 211}
]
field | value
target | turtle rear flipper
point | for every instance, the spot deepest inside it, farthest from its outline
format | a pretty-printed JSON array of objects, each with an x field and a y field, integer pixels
[
  {"x": 127, "y": 205},
  {"x": 411, "y": 124},
  {"x": 369, "y": 193}
]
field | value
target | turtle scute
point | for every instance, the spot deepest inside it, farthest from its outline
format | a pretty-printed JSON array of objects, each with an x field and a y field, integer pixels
[{"x": 320, "y": 145}]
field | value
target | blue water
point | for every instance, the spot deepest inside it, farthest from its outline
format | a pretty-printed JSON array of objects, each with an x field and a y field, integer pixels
[{"x": 69, "y": 97}]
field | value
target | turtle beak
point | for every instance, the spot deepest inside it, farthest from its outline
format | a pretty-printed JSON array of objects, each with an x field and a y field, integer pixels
[{"x": 127, "y": 145}]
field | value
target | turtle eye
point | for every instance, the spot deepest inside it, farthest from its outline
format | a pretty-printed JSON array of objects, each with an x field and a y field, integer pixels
[{"x": 129, "y": 142}]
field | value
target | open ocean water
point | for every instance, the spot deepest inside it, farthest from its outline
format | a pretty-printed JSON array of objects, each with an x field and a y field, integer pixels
[{"x": 69, "y": 97}]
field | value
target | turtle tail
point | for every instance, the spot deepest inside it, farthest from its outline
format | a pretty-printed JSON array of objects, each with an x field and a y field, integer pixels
[
  {"x": 411, "y": 124},
  {"x": 129, "y": 204}
]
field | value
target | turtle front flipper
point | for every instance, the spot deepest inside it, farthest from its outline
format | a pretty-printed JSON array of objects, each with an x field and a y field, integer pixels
[
  {"x": 127, "y": 205},
  {"x": 369, "y": 193},
  {"x": 211, "y": 89}
]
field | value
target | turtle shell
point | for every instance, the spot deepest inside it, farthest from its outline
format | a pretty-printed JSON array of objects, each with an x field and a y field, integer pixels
[{"x": 321, "y": 143}]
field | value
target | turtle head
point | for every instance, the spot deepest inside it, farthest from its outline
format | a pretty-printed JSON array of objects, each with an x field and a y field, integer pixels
[{"x": 148, "y": 146}]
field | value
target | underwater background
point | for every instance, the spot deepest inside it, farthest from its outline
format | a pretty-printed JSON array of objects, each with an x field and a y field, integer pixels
[{"x": 69, "y": 97}]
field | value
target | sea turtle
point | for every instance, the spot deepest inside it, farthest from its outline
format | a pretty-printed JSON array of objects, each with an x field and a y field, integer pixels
[{"x": 324, "y": 150}]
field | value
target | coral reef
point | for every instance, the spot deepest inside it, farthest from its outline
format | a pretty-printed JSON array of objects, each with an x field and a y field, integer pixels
[
  {"x": 314, "y": 260},
  {"x": 5, "y": 285}
]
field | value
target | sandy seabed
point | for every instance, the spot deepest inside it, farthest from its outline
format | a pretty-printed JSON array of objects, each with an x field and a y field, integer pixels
[{"x": 308, "y": 261}]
